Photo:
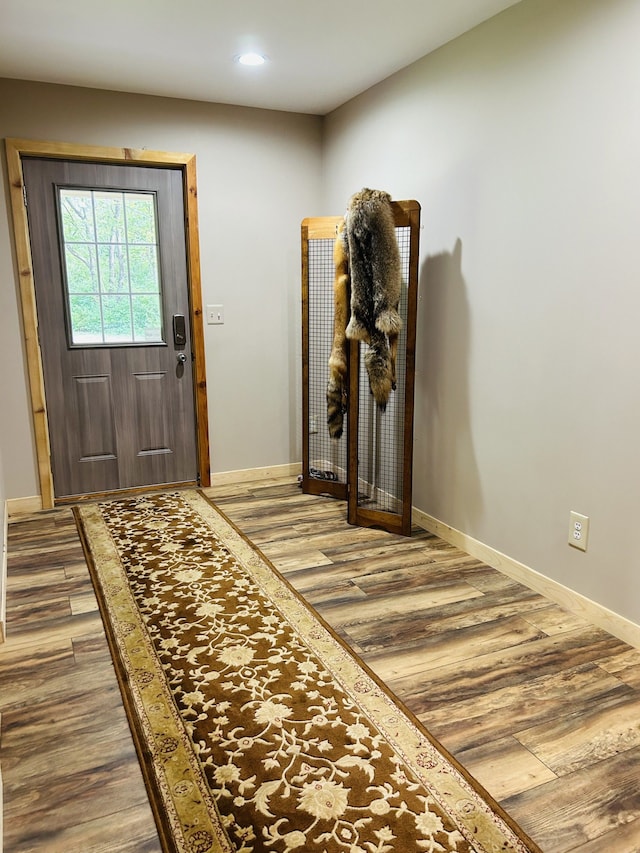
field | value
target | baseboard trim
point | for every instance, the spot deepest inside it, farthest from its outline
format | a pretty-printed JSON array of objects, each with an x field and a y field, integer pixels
[
  {"x": 23, "y": 506},
  {"x": 244, "y": 475},
  {"x": 573, "y": 601}
]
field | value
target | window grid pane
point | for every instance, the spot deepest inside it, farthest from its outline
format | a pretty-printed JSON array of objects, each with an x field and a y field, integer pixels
[{"x": 110, "y": 249}]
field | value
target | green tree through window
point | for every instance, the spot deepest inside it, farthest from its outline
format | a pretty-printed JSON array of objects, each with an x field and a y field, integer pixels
[{"x": 112, "y": 277}]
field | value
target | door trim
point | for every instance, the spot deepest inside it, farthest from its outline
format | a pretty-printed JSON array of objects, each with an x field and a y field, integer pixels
[{"x": 16, "y": 149}]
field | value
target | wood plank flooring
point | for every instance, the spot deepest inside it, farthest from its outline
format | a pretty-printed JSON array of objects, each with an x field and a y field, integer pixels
[
  {"x": 72, "y": 782},
  {"x": 541, "y": 707}
]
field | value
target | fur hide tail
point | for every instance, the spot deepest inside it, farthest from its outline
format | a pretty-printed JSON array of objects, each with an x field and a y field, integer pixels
[
  {"x": 377, "y": 361},
  {"x": 337, "y": 384},
  {"x": 336, "y": 407},
  {"x": 376, "y": 281}
]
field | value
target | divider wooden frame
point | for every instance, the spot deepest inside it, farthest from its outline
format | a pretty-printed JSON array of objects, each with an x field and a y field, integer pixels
[
  {"x": 407, "y": 215},
  {"x": 16, "y": 150},
  {"x": 317, "y": 228}
]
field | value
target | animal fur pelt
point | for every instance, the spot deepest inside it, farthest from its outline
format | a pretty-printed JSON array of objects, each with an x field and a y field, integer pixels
[
  {"x": 376, "y": 281},
  {"x": 337, "y": 384}
]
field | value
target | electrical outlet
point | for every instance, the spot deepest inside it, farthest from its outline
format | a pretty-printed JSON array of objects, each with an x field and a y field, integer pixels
[
  {"x": 215, "y": 315},
  {"x": 578, "y": 530},
  {"x": 313, "y": 425}
]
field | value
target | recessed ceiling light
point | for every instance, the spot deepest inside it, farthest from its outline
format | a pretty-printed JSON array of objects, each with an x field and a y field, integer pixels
[{"x": 251, "y": 59}]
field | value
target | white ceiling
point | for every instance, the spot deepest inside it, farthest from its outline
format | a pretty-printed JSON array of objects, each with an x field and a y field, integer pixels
[{"x": 320, "y": 54}]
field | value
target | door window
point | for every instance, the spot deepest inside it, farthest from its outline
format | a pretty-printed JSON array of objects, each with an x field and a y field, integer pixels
[{"x": 110, "y": 266}]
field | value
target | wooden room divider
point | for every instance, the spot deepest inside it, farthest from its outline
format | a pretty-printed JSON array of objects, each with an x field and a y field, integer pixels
[{"x": 370, "y": 466}]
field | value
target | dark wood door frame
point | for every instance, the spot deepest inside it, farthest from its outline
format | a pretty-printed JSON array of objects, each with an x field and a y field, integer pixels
[{"x": 16, "y": 150}]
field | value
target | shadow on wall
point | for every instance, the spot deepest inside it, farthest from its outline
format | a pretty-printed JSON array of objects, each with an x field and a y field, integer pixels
[{"x": 446, "y": 482}]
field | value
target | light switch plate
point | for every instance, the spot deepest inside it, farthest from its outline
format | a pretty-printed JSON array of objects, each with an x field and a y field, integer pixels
[{"x": 215, "y": 315}]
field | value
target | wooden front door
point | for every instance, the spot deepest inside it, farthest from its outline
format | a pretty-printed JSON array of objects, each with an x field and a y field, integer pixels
[{"x": 110, "y": 274}]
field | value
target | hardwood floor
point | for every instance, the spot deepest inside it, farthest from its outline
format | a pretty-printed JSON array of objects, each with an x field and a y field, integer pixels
[
  {"x": 72, "y": 782},
  {"x": 541, "y": 707}
]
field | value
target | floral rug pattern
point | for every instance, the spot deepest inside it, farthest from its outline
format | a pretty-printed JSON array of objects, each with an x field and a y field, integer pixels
[{"x": 259, "y": 730}]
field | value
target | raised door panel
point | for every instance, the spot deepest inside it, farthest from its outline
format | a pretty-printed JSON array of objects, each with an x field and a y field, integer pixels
[{"x": 95, "y": 437}]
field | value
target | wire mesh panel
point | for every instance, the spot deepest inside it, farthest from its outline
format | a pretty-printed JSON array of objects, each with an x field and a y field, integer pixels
[
  {"x": 324, "y": 467},
  {"x": 381, "y": 434}
]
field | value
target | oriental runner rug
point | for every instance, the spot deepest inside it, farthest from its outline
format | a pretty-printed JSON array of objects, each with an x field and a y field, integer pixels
[{"x": 257, "y": 728}]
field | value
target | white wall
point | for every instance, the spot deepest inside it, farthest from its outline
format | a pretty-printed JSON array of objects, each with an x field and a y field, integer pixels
[
  {"x": 258, "y": 177},
  {"x": 521, "y": 141}
]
